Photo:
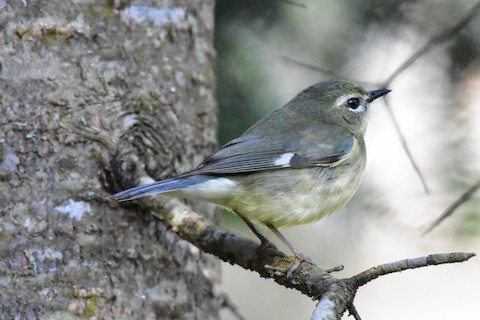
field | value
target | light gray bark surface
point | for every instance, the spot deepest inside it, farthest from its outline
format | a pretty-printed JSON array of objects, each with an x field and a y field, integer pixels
[{"x": 82, "y": 83}]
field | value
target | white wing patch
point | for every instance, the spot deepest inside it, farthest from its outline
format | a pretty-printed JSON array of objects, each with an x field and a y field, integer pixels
[
  {"x": 343, "y": 99},
  {"x": 284, "y": 159}
]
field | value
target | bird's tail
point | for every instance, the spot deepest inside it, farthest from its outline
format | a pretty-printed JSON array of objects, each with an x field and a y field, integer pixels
[{"x": 164, "y": 186}]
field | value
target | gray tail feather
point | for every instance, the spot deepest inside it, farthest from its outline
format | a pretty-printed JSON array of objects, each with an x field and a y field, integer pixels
[{"x": 152, "y": 188}]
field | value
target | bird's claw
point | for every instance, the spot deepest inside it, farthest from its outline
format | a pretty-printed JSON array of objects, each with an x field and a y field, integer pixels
[{"x": 299, "y": 258}]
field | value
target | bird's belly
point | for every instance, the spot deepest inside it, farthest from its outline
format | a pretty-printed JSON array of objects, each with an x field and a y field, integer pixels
[{"x": 285, "y": 200}]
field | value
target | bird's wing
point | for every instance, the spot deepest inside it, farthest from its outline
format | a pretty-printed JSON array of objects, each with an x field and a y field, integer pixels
[{"x": 325, "y": 146}]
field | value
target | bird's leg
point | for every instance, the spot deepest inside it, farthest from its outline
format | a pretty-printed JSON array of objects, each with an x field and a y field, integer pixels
[
  {"x": 299, "y": 257},
  {"x": 259, "y": 235}
]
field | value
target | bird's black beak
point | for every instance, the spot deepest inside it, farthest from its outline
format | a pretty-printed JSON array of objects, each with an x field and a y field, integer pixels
[{"x": 377, "y": 94}]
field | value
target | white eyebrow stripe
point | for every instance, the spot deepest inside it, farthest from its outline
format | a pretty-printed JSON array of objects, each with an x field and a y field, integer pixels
[
  {"x": 284, "y": 159},
  {"x": 344, "y": 98}
]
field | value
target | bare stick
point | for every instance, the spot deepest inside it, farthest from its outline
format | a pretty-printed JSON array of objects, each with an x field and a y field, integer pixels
[
  {"x": 405, "y": 147},
  {"x": 398, "y": 266},
  {"x": 294, "y": 3},
  {"x": 442, "y": 37},
  {"x": 227, "y": 303},
  {"x": 353, "y": 312},
  {"x": 327, "y": 72},
  {"x": 451, "y": 209}
]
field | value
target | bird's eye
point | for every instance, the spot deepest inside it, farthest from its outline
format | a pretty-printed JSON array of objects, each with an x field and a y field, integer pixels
[{"x": 353, "y": 103}]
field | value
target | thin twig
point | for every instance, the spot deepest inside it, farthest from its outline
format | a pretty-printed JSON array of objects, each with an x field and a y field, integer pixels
[
  {"x": 227, "y": 303},
  {"x": 441, "y": 37},
  {"x": 398, "y": 266},
  {"x": 327, "y": 72},
  {"x": 404, "y": 144},
  {"x": 353, "y": 312},
  {"x": 294, "y": 3},
  {"x": 311, "y": 67},
  {"x": 451, "y": 209}
]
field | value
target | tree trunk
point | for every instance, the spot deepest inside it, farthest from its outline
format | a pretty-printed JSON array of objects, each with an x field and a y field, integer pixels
[{"x": 91, "y": 88}]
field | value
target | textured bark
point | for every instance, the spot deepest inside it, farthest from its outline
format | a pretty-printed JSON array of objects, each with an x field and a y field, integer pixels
[{"x": 88, "y": 87}]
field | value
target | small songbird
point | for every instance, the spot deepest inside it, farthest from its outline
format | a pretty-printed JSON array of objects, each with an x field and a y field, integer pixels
[{"x": 299, "y": 164}]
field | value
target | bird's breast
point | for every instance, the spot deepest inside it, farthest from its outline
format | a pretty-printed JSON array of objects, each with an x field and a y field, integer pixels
[{"x": 296, "y": 196}]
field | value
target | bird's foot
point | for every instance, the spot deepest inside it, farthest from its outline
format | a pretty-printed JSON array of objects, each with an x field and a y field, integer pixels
[{"x": 299, "y": 258}]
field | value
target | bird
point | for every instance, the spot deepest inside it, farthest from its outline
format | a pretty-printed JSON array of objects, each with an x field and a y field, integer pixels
[{"x": 297, "y": 165}]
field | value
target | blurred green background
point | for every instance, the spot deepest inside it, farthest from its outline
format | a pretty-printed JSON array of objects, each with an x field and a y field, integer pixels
[{"x": 436, "y": 103}]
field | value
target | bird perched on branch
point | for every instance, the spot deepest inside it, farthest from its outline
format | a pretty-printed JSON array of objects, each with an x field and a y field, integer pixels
[{"x": 297, "y": 165}]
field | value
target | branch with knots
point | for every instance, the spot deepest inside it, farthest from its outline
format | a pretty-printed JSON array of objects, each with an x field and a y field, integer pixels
[{"x": 335, "y": 296}]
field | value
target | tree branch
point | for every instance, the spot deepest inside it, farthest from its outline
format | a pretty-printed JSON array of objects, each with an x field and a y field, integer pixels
[
  {"x": 268, "y": 261},
  {"x": 335, "y": 295},
  {"x": 399, "y": 266}
]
